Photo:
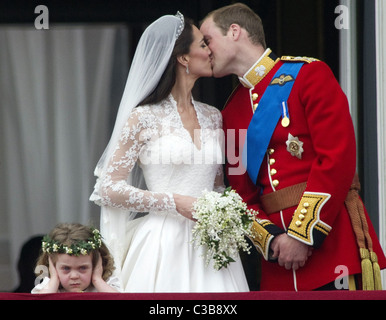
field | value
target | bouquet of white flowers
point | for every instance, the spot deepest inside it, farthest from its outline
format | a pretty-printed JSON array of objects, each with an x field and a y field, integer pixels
[{"x": 223, "y": 221}]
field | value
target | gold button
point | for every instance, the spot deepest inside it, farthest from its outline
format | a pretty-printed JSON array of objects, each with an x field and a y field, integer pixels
[
  {"x": 298, "y": 223},
  {"x": 272, "y": 161},
  {"x": 255, "y": 106},
  {"x": 303, "y": 211},
  {"x": 273, "y": 172},
  {"x": 271, "y": 151},
  {"x": 275, "y": 183},
  {"x": 301, "y": 217},
  {"x": 306, "y": 204},
  {"x": 255, "y": 96}
]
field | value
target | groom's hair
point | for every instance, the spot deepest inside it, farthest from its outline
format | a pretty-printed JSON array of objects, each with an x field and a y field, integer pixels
[{"x": 242, "y": 15}]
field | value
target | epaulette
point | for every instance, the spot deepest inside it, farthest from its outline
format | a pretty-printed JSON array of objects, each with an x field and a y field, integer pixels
[{"x": 296, "y": 59}]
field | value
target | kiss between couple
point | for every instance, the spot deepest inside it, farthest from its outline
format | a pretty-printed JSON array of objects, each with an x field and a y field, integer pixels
[{"x": 146, "y": 206}]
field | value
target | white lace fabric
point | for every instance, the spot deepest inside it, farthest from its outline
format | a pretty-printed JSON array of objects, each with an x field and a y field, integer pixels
[
  {"x": 171, "y": 161},
  {"x": 148, "y": 248}
]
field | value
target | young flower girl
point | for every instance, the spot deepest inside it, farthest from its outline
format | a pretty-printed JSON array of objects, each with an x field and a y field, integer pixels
[{"x": 74, "y": 259}]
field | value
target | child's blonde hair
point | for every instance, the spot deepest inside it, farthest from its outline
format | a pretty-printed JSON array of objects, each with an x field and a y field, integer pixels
[{"x": 68, "y": 234}]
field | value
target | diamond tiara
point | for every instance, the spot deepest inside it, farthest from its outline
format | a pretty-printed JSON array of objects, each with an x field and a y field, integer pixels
[{"x": 180, "y": 16}]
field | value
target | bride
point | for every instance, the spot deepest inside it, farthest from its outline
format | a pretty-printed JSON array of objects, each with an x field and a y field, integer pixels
[{"x": 164, "y": 151}]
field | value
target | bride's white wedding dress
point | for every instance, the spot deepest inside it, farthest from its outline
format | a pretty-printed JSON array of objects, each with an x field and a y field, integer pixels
[{"x": 155, "y": 253}]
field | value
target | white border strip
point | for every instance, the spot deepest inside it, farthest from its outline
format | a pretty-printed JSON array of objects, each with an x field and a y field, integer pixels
[
  {"x": 380, "y": 34},
  {"x": 348, "y": 73}
]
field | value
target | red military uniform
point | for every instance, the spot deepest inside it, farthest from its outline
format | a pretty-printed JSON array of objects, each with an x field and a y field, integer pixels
[{"x": 317, "y": 150}]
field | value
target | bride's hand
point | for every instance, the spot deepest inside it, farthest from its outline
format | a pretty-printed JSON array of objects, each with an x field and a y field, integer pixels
[{"x": 184, "y": 205}]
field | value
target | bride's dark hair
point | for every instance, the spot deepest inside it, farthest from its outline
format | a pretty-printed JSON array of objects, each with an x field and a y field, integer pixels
[{"x": 168, "y": 78}]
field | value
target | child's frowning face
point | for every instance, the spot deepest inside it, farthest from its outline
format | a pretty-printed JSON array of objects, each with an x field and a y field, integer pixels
[{"x": 74, "y": 272}]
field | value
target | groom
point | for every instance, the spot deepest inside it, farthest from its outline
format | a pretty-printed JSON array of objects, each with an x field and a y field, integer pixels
[{"x": 299, "y": 152}]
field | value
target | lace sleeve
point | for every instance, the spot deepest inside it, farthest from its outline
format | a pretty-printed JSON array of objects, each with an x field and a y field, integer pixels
[
  {"x": 114, "y": 189},
  {"x": 216, "y": 124},
  {"x": 219, "y": 185}
]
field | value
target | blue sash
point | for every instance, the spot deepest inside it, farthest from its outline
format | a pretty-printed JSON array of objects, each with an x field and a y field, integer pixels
[{"x": 266, "y": 117}]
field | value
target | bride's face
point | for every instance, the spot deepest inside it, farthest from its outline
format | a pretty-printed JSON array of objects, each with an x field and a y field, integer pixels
[{"x": 199, "y": 56}]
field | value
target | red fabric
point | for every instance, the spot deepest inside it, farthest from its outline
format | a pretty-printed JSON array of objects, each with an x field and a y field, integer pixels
[
  {"x": 320, "y": 118},
  {"x": 258, "y": 295}
]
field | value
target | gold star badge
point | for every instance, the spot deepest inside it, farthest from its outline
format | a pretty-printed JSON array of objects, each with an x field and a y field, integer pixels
[{"x": 294, "y": 146}]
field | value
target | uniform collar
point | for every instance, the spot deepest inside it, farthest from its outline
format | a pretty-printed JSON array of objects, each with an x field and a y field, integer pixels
[{"x": 259, "y": 70}]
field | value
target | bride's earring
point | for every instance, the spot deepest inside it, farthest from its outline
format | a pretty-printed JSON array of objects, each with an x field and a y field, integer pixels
[{"x": 187, "y": 69}]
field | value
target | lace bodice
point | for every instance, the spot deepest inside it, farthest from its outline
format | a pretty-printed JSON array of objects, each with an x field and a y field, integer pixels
[{"x": 172, "y": 161}]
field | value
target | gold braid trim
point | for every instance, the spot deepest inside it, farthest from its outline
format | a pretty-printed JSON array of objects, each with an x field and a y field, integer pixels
[
  {"x": 371, "y": 273},
  {"x": 307, "y": 217},
  {"x": 261, "y": 238}
]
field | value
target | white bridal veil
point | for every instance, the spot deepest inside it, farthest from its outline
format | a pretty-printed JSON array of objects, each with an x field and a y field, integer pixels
[{"x": 149, "y": 63}]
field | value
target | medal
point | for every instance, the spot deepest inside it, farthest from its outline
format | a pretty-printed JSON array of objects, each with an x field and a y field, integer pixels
[
  {"x": 294, "y": 146},
  {"x": 285, "y": 121}
]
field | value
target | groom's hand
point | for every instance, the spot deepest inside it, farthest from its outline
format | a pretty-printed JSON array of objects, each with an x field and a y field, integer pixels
[{"x": 291, "y": 253}]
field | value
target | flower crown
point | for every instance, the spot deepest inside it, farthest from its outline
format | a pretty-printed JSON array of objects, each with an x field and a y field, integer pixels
[{"x": 79, "y": 248}]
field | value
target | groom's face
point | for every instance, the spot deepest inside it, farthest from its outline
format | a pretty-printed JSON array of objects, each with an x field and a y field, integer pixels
[{"x": 220, "y": 46}]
